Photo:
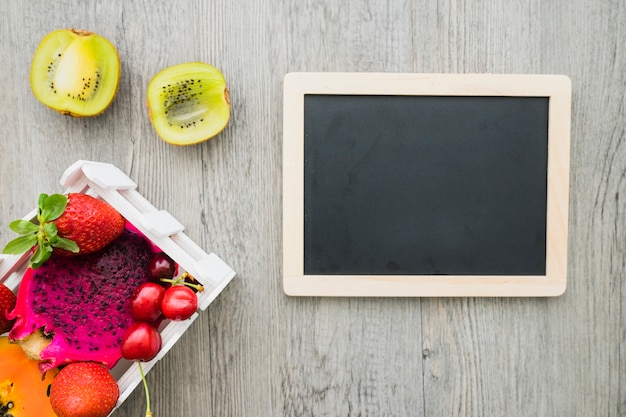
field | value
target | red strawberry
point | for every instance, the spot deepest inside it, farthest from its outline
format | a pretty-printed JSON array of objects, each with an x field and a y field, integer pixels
[
  {"x": 90, "y": 223},
  {"x": 73, "y": 224},
  {"x": 7, "y": 303},
  {"x": 83, "y": 389}
]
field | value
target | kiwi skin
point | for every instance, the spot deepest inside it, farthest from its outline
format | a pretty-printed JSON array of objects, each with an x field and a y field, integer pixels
[
  {"x": 75, "y": 72},
  {"x": 188, "y": 103}
]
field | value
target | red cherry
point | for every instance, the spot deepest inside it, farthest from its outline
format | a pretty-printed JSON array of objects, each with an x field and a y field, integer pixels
[
  {"x": 141, "y": 342},
  {"x": 145, "y": 304},
  {"x": 161, "y": 266},
  {"x": 179, "y": 302}
]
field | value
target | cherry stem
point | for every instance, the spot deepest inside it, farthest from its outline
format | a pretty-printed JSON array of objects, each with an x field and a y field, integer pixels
[
  {"x": 181, "y": 280},
  {"x": 145, "y": 387}
]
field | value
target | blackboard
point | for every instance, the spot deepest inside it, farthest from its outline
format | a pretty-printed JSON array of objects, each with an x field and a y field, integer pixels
[{"x": 415, "y": 185}]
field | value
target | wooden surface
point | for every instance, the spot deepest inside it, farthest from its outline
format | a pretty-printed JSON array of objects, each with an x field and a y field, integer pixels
[{"x": 257, "y": 352}]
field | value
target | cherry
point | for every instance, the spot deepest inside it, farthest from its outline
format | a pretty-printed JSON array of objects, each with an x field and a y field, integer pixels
[
  {"x": 161, "y": 266},
  {"x": 179, "y": 302},
  {"x": 141, "y": 342},
  {"x": 145, "y": 304}
]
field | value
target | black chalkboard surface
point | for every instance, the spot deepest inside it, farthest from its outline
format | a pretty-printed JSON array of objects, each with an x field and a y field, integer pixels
[{"x": 425, "y": 186}]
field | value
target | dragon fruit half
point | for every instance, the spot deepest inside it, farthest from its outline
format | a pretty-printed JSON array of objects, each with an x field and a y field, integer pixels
[{"x": 77, "y": 308}]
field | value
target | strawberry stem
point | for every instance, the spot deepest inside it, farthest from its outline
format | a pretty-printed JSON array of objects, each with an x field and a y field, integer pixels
[{"x": 145, "y": 387}]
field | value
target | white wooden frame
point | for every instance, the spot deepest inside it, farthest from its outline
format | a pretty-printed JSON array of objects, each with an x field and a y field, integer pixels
[{"x": 555, "y": 87}]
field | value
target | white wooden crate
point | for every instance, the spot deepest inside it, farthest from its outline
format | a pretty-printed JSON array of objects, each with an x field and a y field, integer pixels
[{"x": 109, "y": 183}]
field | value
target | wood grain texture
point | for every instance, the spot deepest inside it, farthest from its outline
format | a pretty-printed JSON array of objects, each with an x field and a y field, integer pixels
[{"x": 256, "y": 352}]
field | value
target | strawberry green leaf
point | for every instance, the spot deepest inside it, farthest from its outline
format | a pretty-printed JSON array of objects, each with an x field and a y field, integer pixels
[
  {"x": 53, "y": 206},
  {"x": 20, "y": 244},
  {"x": 62, "y": 243},
  {"x": 40, "y": 202},
  {"x": 41, "y": 255},
  {"x": 23, "y": 227},
  {"x": 50, "y": 230},
  {"x": 44, "y": 235}
]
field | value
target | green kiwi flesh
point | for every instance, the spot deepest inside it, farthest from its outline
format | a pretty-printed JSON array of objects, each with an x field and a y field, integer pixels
[
  {"x": 188, "y": 103},
  {"x": 75, "y": 72}
]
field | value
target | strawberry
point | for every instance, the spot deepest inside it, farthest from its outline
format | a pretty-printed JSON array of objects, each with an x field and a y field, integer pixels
[
  {"x": 90, "y": 223},
  {"x": 7, "y": 303},
  {"x": 66, "y": 224},
  {"x": 83, "y": 389}
]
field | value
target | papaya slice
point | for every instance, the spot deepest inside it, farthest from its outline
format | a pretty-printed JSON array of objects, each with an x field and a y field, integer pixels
[{"x": 23, "y": 389}]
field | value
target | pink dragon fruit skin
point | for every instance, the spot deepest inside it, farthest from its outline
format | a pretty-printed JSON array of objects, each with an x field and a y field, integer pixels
[{"x": 82, "y": 302}]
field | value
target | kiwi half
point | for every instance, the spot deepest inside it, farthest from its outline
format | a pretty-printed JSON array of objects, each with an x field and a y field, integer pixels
[
  {"x": 188, "y": 103},
  {"x": 75, "y": 72}
]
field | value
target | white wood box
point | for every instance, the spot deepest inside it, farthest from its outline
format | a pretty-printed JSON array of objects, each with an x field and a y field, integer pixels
[{"x": 109, "y": 183}]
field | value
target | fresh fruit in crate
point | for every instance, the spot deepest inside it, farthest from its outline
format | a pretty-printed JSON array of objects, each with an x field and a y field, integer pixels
[
  {"x": 179, "y": 302},
  {"x": 94, "y": 294},
  {"x": 89, "y": 222},
  {"x": 188, "y": 103},
  {"x": 75, "y": 72},
  {"x": 77, "y": 308},
  {"x": 7, "y": 304},
  {"x": 152, "y": 302},
  {"x": 145, "y": 304},
  {"x": 161, "y": 266},
  {"x": 141, "y": 341},
  {"x": 66, "y": 224},
  {"x": 83, "y": 389},
  {"x": 23, "y": 390}
]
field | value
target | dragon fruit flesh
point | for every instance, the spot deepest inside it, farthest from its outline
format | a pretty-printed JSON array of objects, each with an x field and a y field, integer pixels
[{"x": 77, "y": 308}]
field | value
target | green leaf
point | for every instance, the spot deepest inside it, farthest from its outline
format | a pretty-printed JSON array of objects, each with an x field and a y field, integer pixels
[
  {"x": 20, "y": 245},
  {"x": 66, "y": 244},
  {"x": 50, "y": 230},
  {"x": 42, "y": 199},
  {"x": 53, "y": 206},
  {"x": 23, "y": 227},
  {"x": 42, "y": 254},
  {"x": 40, "y": 202}
]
